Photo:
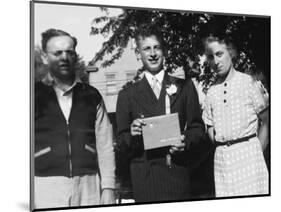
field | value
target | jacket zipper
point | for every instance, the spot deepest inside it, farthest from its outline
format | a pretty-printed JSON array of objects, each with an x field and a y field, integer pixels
[{"x": 69, "y": 149}]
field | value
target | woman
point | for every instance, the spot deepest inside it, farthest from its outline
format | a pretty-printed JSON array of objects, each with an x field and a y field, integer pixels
[{"x": 236, "y": 115}]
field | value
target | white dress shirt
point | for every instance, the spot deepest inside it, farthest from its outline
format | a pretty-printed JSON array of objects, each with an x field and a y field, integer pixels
[{"x": 159, "y": 77}]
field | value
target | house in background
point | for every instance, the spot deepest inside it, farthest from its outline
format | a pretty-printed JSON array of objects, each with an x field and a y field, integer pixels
[{"x": 109, "y": 80}]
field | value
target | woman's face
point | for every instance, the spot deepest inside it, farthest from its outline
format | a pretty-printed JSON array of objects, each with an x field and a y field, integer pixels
[{"x": 219, "y": 58}]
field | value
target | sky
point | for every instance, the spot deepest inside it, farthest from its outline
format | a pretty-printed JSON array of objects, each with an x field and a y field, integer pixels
[{"x": 74, "y": 19}]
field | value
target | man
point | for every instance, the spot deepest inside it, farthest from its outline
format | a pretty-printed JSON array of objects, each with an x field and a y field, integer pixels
[
  {"x": 159, "y": 174},
  {"x": 74, "y": 158}
]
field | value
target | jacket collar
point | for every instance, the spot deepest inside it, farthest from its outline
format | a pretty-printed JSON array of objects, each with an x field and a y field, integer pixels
[
  {"x": 169, "y": 81},
  {"x": 49, "y": 80},
  {"x": 146, "y": 98}
]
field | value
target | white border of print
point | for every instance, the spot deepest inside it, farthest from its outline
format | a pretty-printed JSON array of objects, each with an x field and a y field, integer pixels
[{"x": 14, "y": 113}]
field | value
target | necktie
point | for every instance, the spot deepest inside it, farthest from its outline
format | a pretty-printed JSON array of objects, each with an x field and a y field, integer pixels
[{"x": 156, "y": 87}]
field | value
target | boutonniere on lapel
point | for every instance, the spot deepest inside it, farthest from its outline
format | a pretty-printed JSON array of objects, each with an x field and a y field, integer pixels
[{"x": 171, "y": 89}]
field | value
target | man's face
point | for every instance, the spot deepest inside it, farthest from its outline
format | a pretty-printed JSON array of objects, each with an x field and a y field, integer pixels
[
  {"x": 61, "y": 57},
  {"x": 219, "y": 58},
  {"x": 151, "y": 53}
]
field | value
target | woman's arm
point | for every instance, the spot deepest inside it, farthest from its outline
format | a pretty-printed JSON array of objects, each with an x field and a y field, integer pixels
[{"x": 264, "y": 128}]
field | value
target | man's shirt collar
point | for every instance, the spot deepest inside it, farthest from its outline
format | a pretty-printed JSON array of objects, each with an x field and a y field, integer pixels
[
  {"x": 159, "y": 76},
  {"x": 51, "y": 81}
]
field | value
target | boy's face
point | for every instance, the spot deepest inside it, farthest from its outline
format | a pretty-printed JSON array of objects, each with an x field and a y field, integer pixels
[{"x": 151, "y": 53}]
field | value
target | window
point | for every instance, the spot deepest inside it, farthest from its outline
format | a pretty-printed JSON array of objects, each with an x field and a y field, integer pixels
[
  {"x": 130, "y": 76},
  {"x": 111, "y": 86}
]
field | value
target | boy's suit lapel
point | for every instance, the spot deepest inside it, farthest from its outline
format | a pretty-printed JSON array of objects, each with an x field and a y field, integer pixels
[
  {"x": 145, "y": 96},
  {"x": 167, "y": 82}
]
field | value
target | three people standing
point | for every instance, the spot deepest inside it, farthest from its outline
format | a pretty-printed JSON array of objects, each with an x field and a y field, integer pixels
[{"x": 74, "y": 157}]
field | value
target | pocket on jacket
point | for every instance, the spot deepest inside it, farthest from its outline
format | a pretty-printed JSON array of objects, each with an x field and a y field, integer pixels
[
  {"x": 42, "y": 152},
  {"x": 90, "y": 149}
]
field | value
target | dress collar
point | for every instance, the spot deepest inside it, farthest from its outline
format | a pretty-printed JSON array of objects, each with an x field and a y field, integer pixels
[{"x": 231, "y": 75}]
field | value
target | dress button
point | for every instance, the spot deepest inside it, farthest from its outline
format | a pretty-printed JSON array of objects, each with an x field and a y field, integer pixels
[
  {"x": 224, "y": 100},
  {"x": 224, "y": 92},
  {"x": 225, "y": 84}
]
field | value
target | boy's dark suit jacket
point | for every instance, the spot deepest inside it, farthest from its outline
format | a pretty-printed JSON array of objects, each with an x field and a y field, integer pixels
[{"x": 152, "y": 179}]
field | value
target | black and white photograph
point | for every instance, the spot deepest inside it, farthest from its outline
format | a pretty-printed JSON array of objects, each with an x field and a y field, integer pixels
[{"x": 138, "y": 105}]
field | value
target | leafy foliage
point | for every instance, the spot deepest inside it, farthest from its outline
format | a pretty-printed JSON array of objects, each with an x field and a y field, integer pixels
[
  {"x": 40, "y": 70},
  {"x": 183, "y": 32}
]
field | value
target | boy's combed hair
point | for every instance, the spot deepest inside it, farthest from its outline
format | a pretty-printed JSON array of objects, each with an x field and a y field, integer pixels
[
  {"x": 147, "y": 30},
  {"x": 50, "y": 33}
]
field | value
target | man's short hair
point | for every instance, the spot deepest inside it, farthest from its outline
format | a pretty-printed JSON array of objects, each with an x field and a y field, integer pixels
[
  {"x": 50, "y": 33},
  {"x": 147, "y": 30}
]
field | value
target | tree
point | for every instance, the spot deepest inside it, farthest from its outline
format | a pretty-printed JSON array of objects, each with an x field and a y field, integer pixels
[
  {"x": 183, "y": 32},
  {"x": 40, "y": 70}
]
